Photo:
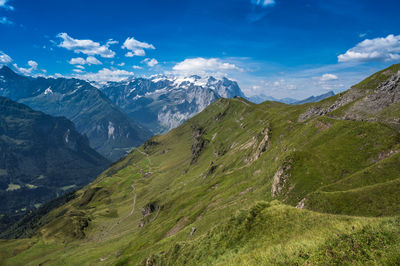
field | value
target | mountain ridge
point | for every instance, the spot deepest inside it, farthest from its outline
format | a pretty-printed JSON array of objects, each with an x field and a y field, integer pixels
[
  {"x": 109, "y": 130},
  {"x": 161, "y": 103},
  {"x": 241, "y": 183}
]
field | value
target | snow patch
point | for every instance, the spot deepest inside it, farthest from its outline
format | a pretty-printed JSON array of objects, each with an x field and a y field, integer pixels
[{"x": 48, "y": 91}]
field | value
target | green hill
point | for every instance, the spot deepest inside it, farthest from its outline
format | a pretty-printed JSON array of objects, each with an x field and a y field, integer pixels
[{"x": 242, "y": 184}]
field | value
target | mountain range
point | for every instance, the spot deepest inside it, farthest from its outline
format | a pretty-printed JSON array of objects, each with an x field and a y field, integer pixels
[
  {"x": 240, "y": 184},
  {"x": 118, "y": 116},
  {"x": 109, "y": 130},
  {"x": 312, "y": 99},
  {"x": 41, "y": 157},
  {"x": 161, "y": 103},
  {"x": 260, "y": 98}
]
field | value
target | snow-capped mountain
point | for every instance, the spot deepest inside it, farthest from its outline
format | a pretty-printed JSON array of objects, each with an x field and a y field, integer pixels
[{"x": 161, "y": 103}]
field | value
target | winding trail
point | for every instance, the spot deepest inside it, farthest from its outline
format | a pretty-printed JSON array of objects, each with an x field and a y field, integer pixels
[
  {"x": 133, "y": 201},
  {"x": 130, "y": 213},
  {"x": 147, "y": 156}
]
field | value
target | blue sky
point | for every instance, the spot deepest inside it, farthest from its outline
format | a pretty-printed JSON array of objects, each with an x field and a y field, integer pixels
[{"x": 282, "y": 48}]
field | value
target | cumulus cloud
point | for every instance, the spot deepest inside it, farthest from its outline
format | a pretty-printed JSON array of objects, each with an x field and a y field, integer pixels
[
  {"x": 87, "y": 47},
  {"x": 90, "y": 60},
  {"x": 5, "y": 21},
  {"x": 137, "y": 67},
  {"x": 204, "y": 65},
  {"x": 105, "y": 75},
  {"x": 263, "y": 2},
  {"x": 4, "y": 58},
  {"x": 328, "y": 77},
  {"x": 136, "y": 47},
  {"x": 378, "y": 49},
  {"x": 26, "y": 71},
  {"x": 3, "y": 4},
  {"x": 77, "y": 61},
  {"x": 121, "y": 64},
  {"x": 150, "y": 62},
  {"x": 33, "y": 64}
]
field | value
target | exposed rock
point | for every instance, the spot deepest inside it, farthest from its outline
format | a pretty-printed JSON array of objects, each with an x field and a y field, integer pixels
[
  {"x": 262, "y": 146},
  {"x": 384, "y": 155},
  {"x": 192, "y": 231},
  {"x": 301, "y": 204},
  {"x": 280, "y": 179},
  {"x": 199, "y": 143},
  {"x": 147, "y": 175},
  {"x": 343, "y": 100},
  {"x": 147, "y": 212},
  {"x": 386, "y": 94},
  {"x": 364, "y": 102}
]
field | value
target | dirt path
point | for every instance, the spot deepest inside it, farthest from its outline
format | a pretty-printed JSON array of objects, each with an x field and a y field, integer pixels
[
  {"x": 134, "y": 201},
  {"x": 127, "y": 216},
  {"x": 147, "y": 156},
  {"x": 119, "y": 221}
]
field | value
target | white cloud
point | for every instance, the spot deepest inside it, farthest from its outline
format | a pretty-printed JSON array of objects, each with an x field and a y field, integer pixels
[
  {"x": 263, "y": 2},
  {"x": 378, "y": 49},
  {"x": 202, "y": 65},
  {"x": 105, "y": 75},
  {"x": 79, "y": 66},
  {"x": 87, "y": 47},
  {"x": 150, "y": 62},
  {"x": 90, "y": 60},
  {"x": 328, "y": 77},
  {"x": 137, "y": 67},
  {"x": 4, "y": 58},
  {"x": 26, "y": 71},
  {"x": 77, "y": 70},
  {"x": 121, "y": 64},
  {"x": 77, "y": 61},
  {"x": 33, "y": 64},
  {"x": 136, "y": 47},
  {"x": 5, "y": 21},
  {"x": 3, "y": 4}
]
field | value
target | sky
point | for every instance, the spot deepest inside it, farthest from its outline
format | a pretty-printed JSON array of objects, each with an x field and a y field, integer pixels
[{"x": 279, "y": 48}]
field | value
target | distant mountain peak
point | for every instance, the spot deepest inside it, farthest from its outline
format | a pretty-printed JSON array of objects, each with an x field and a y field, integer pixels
[
  {"x": 317, "y": 98},
  {"x": 162, "y": 102}
]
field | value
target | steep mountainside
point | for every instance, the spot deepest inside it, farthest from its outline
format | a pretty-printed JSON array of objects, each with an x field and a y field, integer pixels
[
  {"x": 109, "y": 130},
  {"x": 41, "y": 157},
  {"x": 241, "y": 184},
  {"x": 162, "y": 103}
]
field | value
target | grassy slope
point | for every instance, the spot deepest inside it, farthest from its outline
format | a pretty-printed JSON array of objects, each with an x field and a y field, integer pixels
[{"x": 339, "y": 167}]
